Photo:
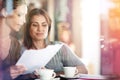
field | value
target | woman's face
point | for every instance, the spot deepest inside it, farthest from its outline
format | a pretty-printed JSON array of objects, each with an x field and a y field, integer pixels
[
  {"x": 39, "y": 28},
  {"x": 17, "y": 18}
]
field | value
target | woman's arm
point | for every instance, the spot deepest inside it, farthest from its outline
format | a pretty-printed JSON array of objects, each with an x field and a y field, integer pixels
[{"x": 71, "y": 59}]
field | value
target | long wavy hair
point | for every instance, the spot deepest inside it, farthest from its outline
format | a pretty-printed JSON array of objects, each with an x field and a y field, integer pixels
[{"x": 27, "y": 38}]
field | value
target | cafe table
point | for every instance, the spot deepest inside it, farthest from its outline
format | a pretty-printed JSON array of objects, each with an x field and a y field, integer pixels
[
  {"x": 88, "y": 77},
  {"x": 91, "y": 77}
]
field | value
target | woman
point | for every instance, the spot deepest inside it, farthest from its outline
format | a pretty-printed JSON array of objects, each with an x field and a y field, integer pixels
[
  {"x": 10, "y": 21},
  {"x": 36, "y": 36}
]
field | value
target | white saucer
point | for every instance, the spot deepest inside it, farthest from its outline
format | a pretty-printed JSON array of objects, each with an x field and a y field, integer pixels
[{"x": 63, "y": 76}]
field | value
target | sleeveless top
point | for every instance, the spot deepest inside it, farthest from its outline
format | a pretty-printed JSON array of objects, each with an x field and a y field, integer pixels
[{"x": 11, "y": 59}]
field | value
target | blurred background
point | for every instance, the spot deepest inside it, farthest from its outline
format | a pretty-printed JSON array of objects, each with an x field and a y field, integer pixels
[{"x": 90, "y": 27}]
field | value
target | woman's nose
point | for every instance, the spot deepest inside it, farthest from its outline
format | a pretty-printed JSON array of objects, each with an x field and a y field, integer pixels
[
  {"x": 22, "y": 20},
  {"x": 39, "y": 28}
]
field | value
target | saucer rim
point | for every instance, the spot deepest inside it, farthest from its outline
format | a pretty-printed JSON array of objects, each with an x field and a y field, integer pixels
[{"x": 63, "y": 76}]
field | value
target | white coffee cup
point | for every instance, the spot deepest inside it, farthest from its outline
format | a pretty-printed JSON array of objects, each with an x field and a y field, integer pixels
[
  {"x": 70, "y": 71},
  {"x": 46, "y": 74}
]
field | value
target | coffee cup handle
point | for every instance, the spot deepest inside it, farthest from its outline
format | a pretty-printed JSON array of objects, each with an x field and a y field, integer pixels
[
  {"x": 54, "y": 75},
  {"x": 76, "y": 71}
]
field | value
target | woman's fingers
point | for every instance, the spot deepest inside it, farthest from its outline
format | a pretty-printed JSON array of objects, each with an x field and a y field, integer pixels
[
  {"x": 14, "y": 76},
  {"x": 42, "y": 68},
  {"x": 17, "y": 70}
]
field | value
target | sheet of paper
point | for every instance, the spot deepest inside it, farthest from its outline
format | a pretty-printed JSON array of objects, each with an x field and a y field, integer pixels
[{"x": 33, "y": 59}]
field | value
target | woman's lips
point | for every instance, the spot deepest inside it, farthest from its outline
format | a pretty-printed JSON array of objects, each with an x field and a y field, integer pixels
[{"x": 39, "y": 34}]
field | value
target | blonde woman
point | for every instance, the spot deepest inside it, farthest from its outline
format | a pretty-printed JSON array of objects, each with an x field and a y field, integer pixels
[{"x": 10, "y": 21}]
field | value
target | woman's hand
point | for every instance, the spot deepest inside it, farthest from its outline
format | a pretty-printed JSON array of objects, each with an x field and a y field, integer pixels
[{"x": 17, "y": 70}]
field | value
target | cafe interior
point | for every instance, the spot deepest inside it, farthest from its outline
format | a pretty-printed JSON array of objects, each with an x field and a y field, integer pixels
[{"x": 90, "y": 27}]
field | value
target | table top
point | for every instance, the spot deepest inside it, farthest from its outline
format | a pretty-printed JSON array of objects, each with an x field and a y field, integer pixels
[{"x": 87, "y": 77}]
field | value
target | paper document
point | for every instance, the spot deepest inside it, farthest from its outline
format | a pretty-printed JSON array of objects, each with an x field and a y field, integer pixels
[{"x": 33, "y": 59}]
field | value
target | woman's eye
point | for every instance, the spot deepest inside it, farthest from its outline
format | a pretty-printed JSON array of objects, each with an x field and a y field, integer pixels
[
  {"x": 34, "y": 25},
  {"x": 45, "y": 25}
]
